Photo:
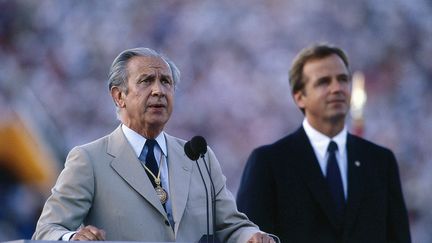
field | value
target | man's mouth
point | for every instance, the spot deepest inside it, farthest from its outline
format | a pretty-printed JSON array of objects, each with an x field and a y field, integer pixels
[
  {"x": 156, "y": 106},
  {"x": 336, "y": 101}
]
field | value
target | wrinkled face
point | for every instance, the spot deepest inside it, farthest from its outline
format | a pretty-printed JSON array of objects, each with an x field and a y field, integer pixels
[
  {"x": 327, "y": 91},
  {"x": 149, "y": 102}
]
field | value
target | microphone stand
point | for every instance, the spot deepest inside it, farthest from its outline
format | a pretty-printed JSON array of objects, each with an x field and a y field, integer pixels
[
  {"x": 195, "y": 148},
  {"x": 207, "y": 205},
  {"x": 213, "y": 198}
]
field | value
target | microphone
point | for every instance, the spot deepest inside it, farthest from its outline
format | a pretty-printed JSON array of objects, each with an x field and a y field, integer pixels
[
  {"x": 199, "y": 145},
  {"x": 189, "y": 152},
  {"x": 195, "y": 148}
]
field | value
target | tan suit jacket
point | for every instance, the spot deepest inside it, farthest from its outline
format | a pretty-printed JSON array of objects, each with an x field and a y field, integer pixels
[{"x": 103, "y": 184}]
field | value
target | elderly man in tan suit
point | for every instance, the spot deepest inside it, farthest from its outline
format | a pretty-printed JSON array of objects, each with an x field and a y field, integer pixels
[{"x": 111, "y": 189}]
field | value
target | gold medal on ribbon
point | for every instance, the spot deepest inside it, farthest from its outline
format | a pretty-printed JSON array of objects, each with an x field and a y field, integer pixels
[
  {"x": 162, "y": 194},
  {"x": 160, "y": 191}
]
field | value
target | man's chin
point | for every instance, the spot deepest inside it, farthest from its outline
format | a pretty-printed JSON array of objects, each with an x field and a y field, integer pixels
[
  {"x": 158, "y": 121},
  {"x": 338, "y": 116}
]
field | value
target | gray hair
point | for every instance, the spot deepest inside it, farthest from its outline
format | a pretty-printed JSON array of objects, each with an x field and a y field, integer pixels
[{"x": 118, "y": 74}]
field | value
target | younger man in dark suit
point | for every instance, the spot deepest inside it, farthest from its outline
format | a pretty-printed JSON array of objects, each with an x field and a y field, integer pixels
[{"x": 321, "y": 184}]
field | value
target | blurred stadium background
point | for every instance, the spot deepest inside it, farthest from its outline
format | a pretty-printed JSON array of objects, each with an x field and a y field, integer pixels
[{"x": 234, "y": 58}]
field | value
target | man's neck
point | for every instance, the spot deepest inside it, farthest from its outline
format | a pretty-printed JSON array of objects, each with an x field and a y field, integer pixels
[
  {"x": 328, "y": 128},
  {"x": 147, "y": 132}
]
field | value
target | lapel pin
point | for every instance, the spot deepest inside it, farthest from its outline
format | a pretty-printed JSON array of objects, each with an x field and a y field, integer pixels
[{"x": 357, "y": 163}]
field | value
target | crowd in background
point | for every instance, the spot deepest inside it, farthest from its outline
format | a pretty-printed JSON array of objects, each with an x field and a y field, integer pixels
[{"x": 234, "y": 58}]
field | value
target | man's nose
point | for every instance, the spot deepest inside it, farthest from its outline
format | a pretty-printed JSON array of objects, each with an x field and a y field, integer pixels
[
  {"x": 336, "y": 86},
  {"x": 157, "y": 88}
]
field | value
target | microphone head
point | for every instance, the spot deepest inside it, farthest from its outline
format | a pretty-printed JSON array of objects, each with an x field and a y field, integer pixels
[
  {"x": 198, "y": 145},
  {"x": 189, "y": 152}
]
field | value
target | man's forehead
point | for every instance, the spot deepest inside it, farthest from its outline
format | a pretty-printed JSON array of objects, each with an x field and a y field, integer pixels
[
  {"x": 328, "y": 65},
  {"x": 143, "y": 62}
]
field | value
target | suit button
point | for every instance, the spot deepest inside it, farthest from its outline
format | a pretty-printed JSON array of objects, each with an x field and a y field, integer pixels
[{"x": 167, "y": 223}]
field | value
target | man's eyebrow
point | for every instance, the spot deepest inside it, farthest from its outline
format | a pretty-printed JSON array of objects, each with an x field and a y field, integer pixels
[
  {"x": 144, "y": 75},
  {"x": 343, "y": 75},
  {"x": 167, "y": 76}
]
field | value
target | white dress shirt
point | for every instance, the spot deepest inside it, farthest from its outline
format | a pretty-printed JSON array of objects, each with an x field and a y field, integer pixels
[
  {"x": 320, "y": 142},
  {"x": 161, "y": 154}
]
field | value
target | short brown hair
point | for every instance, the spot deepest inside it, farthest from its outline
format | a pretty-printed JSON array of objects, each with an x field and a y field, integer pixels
[{"x": 316, "y": 51}]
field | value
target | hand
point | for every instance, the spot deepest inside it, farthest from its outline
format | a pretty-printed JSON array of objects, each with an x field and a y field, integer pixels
[
  {"x": 261, "y": 238},
  {"x": 89, "y": 233}
]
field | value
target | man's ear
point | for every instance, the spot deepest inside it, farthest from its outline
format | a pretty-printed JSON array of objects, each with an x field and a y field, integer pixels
[
  {"x": 118, "y": 96},
  {"x": 299, "y": 97}
]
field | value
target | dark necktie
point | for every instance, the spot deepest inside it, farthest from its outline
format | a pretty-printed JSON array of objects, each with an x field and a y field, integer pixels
[
  {"x": 334, "y": 179},
  {"x": 150, "y": 160}
]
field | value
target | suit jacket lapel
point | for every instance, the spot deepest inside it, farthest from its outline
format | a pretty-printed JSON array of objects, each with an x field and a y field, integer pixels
[
  {"x": 127, "y": 165},
  {"x": 313, "y": 176},
  {"x": 180, "y": 168},
  {"x": 355, "y": 180}
]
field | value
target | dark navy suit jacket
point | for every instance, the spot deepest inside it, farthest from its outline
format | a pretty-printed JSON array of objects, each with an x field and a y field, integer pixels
[{"x": 284, "y": 191}]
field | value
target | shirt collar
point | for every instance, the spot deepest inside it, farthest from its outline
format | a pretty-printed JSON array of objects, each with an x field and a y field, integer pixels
[
  {"x": 320, "y": 141},
  {"x": 137, "y": 141}
]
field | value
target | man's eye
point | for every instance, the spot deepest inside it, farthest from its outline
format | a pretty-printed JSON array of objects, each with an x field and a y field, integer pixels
[
  {"x": 146, "y": 80},
  {"x": 166, "y": 81},
  {"x": 343, "y": 79},
  {"x": 322, "y": 81}
]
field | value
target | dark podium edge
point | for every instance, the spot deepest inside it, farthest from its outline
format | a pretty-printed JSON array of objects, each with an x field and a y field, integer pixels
[{"x": 51, "y": 241}]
